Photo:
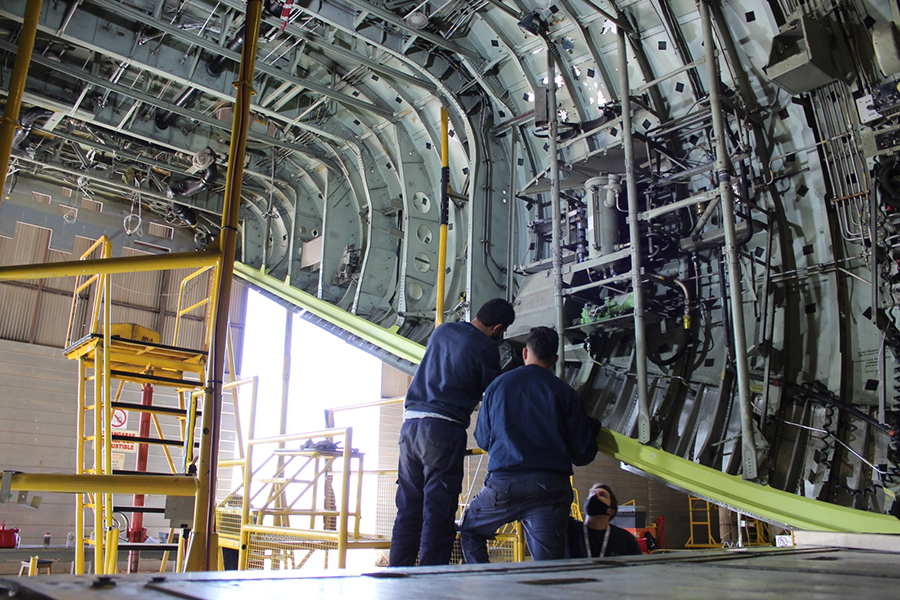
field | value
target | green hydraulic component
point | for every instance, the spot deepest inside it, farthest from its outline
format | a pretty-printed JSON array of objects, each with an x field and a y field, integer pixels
[
  {"x": 761, "y": 502},
  {"x": 611, "y": 307},
  {"x": 386, "y": 339}
]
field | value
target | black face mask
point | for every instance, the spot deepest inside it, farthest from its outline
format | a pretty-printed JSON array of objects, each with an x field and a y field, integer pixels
[{"x": 595, "y": 507}]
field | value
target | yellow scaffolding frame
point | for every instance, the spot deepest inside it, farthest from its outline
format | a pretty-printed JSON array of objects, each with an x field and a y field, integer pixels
[
  {"x": 699, "y": 506},
  {"x": 134, "y": 361},
  {"x": 277, "y": 502}
]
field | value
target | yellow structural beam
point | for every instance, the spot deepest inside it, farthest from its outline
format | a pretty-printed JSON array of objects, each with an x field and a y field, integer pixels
[
  {"x": 10, "y": 120},
  {"x": 381, "y": 337},
  {"x": 127, "y": 264},
  {"x": 763, "y": 502},
  {"x": 175, "y": 485}
]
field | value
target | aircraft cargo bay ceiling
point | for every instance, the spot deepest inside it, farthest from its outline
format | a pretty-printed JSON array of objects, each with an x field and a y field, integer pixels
[{"x": 728, "y": 264}]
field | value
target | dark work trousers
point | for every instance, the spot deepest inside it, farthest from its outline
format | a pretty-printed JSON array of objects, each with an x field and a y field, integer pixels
[
  {"x": 541, "y": 500},
  {"x": 429, "y": 480}
]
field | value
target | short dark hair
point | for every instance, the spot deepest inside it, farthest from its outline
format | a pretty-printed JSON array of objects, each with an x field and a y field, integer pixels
[
  {"x": 496, "y": 312},
  {"x": 612, "y": 497},
  {"x": 544, "y": 342}
]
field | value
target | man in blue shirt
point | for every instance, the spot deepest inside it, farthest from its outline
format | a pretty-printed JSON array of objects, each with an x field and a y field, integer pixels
[
  {"x": 534, "y": 427},
  {"x": 460, "y": 362}
]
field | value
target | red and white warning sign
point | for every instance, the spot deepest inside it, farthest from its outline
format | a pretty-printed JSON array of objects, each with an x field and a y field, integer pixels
[
  {"x": 122, "y": 446},
  {"x": 118, "y": 461},
  {"x": 119, "y": 419}
]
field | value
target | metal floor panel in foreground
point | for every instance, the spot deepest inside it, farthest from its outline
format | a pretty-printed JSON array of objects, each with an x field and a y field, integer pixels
[{"x": 739, "y": 573}]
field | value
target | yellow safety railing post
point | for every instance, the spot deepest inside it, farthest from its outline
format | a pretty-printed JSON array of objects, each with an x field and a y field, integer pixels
[
  {"x": 79, "y": 469},
  {"x": 179, "y": 556},
  {"x": 33, "y": 566},
  {"x": 445, "y": 218},
  {"x": 180, "y": 311},
  {"x": 107, "y": 400},
  {"x": 359, "y": 485},
  {"x": 345, "y": 500},
  {"x": 112, "y": 551}
]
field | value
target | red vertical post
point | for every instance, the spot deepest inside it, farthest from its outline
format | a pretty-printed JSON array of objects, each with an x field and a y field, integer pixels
[{"x": 136, "y": 531}]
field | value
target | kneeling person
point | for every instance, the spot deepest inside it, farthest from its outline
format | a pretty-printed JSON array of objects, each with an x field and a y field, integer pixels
[
  {"x": 597, "y": 533},
  {"x": 534, "y": 427}
]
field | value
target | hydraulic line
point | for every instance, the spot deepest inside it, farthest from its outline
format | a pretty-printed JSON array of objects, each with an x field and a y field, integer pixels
[
  {"x": 830, "y": 400},
  {"x": 512, "y": 216},
  {"x": 748, "y": 443},
  {"x": 640, "y": 332},
  {"x": 687, "y": 337},
  {"x": 555, "y": 207}
]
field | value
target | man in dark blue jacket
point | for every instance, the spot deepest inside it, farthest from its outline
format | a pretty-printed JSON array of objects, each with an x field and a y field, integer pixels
[
  {"x": 534, "y": 428},
  {"x": 460, "y": 362}
]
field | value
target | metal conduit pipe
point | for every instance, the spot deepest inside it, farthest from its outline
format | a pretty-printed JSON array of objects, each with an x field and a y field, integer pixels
[
  {"x": 165, "y": 118},
  {"x": 640, "y": 337},
  {"x": 680, "y": 124},
  {"x": 556, "y": 234},
  {"x": 27, "y": 122},
  {"x": 706, "y": 216},
  {"x": 191, "y": 186},
  {"x": 487, "y": 205},
  {"x": 217, "y": 66},
  {"x": 748, "y": 443}
]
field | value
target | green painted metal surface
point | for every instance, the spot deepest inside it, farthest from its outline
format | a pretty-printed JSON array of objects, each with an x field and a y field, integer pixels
[
  {"x": 763, "y": 502},
  {"x": 381, "y": 337}
]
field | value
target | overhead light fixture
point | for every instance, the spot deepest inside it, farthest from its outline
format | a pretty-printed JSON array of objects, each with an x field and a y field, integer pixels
[
  {"x": 417, "y": 20},
  {"x": 533, "y": 24}
]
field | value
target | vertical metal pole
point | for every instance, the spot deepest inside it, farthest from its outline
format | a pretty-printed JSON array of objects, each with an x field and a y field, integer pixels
[
  {"x": 202, "y": 544},
  {"x": 79, "y": 469},
  {"x": 748, "y": 445},
  {"x": 136, "y": 532},
  {"x": 510, "y": 225},
  {"x": 17, "y": 87},
  {"x": 286, "y": 376},
  {"x": 248, "y": 468},
  {"x": 98, "y": 453},
  {"x": 284, "y": 520},
  {"x": 345, "y": 499},
  {"x": 640, "y": 337},
  {"x": 107, "y": 409},
  {"x": 556, "y": 237},
  {"x": 445, "y": 217}
]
